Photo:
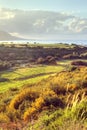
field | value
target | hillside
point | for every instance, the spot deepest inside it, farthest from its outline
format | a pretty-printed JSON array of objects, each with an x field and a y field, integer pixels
[
  {"x": 5, "y": 36},
  {"x": 40, "y": 89},
  {"x": 17, "y": 54},
  {"x": 62, "y": 96}
]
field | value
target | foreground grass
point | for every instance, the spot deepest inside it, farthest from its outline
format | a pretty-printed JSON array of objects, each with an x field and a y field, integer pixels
[
  {"x": 59, "y": 120},
  {"x": 44, "y": 97},
  {"x": 58, "y": 102}
]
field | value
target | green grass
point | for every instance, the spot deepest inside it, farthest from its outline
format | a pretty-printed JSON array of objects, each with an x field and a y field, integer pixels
[
  {"x": 25, "y": 72},
  {"x": 52, "y": 45},
  {"x": 6, "y": 85},
  {"x": 64, "y": 62},
  {"x": 45, "y": 45},
  {"x": 58, "y": 120},
  {"x": 63, "y": 119},
  {"x": 22, "y": 72}
]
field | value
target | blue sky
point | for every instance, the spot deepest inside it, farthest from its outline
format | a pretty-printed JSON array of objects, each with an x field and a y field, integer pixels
[
  {"x": 78, "y": 6},
  {"x": 58, "y": 19}
]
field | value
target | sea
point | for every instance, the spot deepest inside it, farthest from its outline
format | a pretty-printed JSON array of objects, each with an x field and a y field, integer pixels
[{"x": 78, "y": 42}]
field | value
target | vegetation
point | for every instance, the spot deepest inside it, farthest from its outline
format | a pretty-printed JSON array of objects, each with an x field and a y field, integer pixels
[
  {"x": 44, "y": 96},
  {"x": 79, "y": 63},
  {"x": 28, "y": 75}
]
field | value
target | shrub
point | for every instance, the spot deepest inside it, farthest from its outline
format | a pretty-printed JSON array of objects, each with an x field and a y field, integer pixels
[
  {"x": 4, "y": 118},
  {"x": 71, "y": 68},
  {"x": 13, "y": 115},
  {"x": 26, "y": 94},
  {"x": 84, "y": 83},
  {"x": 79, "y": 63},
  {"x": 36, "y": 107},
  {"x": 4, "y": 66},
  {"x": 40, "y": 60},
  {"x": 14, "y": 89},
  {"x": 54, "y": 101},
  {"x": 48, "y": 60},
  {"x": 71, "y": 87},
  {"x": 29, "y": 114},
  {"x": 2, "y": 108},
  {"x": 4, "y": 79},
  {"x": 51, "y": 99},
  {"x": 71, "y": 56},
  {"x": 38, "y": 104},
  {"x": 57, "y": 89}
]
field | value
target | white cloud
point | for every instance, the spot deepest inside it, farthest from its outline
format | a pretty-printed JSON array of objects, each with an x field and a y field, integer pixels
[
  {"x": 77, "y": 25},
  {"x": 15, "y": 34},
  {"x": 6, "y": 14},
  {"x": 41, "y": 23}
]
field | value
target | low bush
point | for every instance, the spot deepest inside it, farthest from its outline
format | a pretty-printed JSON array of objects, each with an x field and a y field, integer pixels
[
  {"x": 36, "y": 107},
  {"x": 71, "y": 68},
  {"x": 26, "y": 94},
  {"x": 3, "y": 79},
  {"x": 4, "y": 118},
  {"x": 79, "y": 63},
  {"x": 57, "y": 89},
  {"x": 49, "y": 60},
  {"x": 4, "y": 66}
]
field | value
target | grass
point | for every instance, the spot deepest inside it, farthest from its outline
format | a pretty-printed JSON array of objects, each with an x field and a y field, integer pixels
[
  {"x": 44, "y": 45},
  {"x": 58, "y": 120},
  {"x": 31, "y": 71},
  {"x": 69, "y": 118},
  {"x": 59, "y": 45},
  {"x": 52, "y": 45},
  {"x": 48, "y": 100},
  {"x": 17, "y": 84},
  {"x": 25, "y": 73}
]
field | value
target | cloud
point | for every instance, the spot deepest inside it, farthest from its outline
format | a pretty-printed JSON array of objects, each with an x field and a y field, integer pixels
[
  {"x": 78, "y": 25},
  {"x": 41, "y": 23},
  {"x": 6, "y": 14}
]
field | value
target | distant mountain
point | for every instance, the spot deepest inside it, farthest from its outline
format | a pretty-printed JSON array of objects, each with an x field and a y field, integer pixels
[{"x": 4, "y": 36}]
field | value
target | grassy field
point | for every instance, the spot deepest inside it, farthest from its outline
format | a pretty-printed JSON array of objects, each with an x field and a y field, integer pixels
[
  {"x": 45, "y": 45},
  {"x": 59, "y": 45},
  {"x": 22, "y": 76}
]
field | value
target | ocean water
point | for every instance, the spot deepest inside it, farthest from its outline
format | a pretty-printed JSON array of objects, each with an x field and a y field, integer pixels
[{"x": 80, "y": 42}]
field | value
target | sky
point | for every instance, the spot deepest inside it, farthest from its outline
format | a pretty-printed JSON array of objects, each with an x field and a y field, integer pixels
[{"x": 44, "y": 19}]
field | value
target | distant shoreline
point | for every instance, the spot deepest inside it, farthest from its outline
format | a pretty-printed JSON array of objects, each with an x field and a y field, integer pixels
[{"x": 80, "y": 42}]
